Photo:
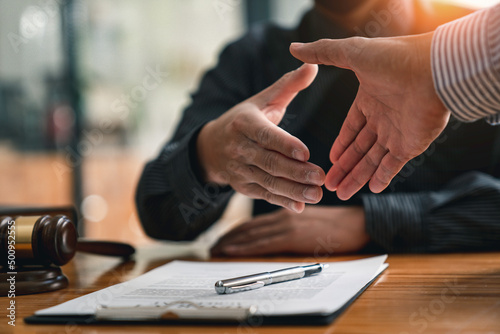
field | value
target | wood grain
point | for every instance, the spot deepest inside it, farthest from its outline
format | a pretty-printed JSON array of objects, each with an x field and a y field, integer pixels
[{"x": 446, "y": 293}]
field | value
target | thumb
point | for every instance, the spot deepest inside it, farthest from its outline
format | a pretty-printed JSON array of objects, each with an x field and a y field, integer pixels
[
  {"x": 274, "y": 100},
  {"x": 333, "y": 52}
]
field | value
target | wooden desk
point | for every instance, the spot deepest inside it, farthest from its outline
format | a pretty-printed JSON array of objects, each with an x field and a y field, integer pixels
[{"x": 450, "y": 293}]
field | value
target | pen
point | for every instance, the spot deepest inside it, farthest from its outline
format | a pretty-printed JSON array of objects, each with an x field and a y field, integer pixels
[{"x": 256, "y": 281}]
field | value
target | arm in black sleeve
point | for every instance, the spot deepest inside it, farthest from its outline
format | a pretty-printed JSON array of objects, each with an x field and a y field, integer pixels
[
  {"x": 464, "y": 216},
  {"x": 172, "y": 201}
]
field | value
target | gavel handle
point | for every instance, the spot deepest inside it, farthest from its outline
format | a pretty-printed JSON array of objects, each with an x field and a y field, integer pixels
[{"x": 109, "y": 248}]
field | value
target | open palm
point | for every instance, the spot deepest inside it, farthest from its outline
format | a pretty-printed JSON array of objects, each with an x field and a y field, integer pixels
[{"x": 395, "y": 116}]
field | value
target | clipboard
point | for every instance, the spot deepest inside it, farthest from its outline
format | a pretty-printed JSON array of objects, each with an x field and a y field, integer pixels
[{"x": 190, "y": 313}]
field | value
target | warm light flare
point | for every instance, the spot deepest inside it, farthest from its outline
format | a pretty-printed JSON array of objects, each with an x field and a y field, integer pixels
[{"x": 473, "y": 3}]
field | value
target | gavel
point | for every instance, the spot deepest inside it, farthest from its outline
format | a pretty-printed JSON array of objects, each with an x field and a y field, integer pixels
[
  {"x": 34, "y": 242},
  {"x": 46, "y": 240}
]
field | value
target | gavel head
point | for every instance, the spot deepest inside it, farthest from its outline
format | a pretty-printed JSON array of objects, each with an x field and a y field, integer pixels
[{"x": 42, "y": 240}]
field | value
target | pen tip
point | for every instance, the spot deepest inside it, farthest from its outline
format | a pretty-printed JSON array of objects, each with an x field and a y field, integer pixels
[{"x": 219, "y": 287}]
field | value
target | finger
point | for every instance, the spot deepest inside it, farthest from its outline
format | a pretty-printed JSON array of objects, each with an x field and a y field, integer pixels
[
  {"x": 353, "y": 124},
  {"x": 257, "y": 227},
  {"x": 254, "y": 233},
  {"x": 298, "y": 192},
  {"x": 274, "y": 99},
  {"x": 255, "y": 222},
  {"x": 240, "y": 229},
  {"x": 269, "y": 136},
  {"x": 325, "y": 51},
  {"x": 256, "y": 191},
  {"x": 230, "y": 236},
  {"x": 389, "y": 167},
  {"x": 278, "y": 165},
  {"x": 362, "y": 173},
  {"x": 271, "y": 245},
  {"x": 350, "y": 158}
]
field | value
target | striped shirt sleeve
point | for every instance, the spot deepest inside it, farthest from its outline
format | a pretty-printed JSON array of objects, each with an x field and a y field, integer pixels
[{"x": 465, "y": 60}]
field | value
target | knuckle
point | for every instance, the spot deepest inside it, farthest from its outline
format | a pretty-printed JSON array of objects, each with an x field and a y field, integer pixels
[
  {"x": 269, "y": 197},
  {"x": 247, "y": 189},
  {"x": 232, "y": 166},
  {"x": 354, "y": 48},
  {"x": 239, "y": 122},
  {"x": 357, "y": 41},
  {"x": 385, "y": 173},
  {"x": 343, "y": 143},
  {"x": 246, "y": 151},
  {"x": 323, "y": 45},
  {"x": 239, "y": 170},
  {"x": 381, "y": 147},
  {"x": 299, "y": 174},
  {"x": 285, "y": 77},
  {"x": 232, "y": 150},
  {"x": 287, "y": 203},
  {"x": 238, "y": 150},
  {"x": 264, "y": 135},
  {"x": 250, "y": 172},
  {"x": 401, "y": 156},
  {"x": 340, "y": 168},
  {"x": 247, "y": 173},
  {"x": 269, "y": 182},
  {"x": 295, "y": 190},
  {"x": 357, "y": 179},
  {"x": 350, "y": 126},
  {"x": 270, "y": 162},
  {"x": 370, "y": 161},
  {"x": 357, "y": 148},
  {"x": 380, "y": 180}
]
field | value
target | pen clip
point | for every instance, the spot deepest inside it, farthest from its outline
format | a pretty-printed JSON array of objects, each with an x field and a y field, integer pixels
[{"x": 245, "y": 287}]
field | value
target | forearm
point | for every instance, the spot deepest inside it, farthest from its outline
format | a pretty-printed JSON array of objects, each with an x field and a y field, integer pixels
[
  {"x": 465, "y": 215},
  {"x": 466, "y": 66},
  {"x": 172, "y": 202}
]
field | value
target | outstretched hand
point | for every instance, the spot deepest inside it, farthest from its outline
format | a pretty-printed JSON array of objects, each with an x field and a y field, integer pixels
[
  {"x": 395, "y": 116},
  {"x": 245, "y": 148}
]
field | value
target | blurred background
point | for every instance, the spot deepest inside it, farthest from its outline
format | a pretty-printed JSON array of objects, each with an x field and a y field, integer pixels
[{"x": 91, "y": 89}]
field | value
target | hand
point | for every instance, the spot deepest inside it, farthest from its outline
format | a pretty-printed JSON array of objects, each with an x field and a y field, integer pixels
[
  {"x": 395, "y": 116},
  {"x": 247, "y": 150},
  {"x": 317, "y": 230}
]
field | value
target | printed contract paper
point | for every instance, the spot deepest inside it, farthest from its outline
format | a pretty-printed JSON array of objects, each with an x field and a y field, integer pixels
[{"x": 177, "y": 281}]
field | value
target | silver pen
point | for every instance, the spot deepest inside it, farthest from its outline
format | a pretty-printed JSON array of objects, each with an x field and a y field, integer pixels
[{"x": 256, "y": 281}]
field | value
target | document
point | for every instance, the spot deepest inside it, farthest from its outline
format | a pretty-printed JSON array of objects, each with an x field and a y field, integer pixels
[{"x": 193, "y": 282}]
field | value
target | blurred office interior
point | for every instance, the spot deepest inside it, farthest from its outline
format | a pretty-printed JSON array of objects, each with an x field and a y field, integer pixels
[{"x": 91, "y": 89}]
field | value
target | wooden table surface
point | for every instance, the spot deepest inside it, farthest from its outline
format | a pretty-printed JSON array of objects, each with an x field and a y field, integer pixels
[{"x": 444, "y": 293}]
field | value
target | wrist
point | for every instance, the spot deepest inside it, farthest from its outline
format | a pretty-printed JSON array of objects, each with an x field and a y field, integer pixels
[
  {"x": 206, "y": 156},
  {"x": 203, "y": 152},
  {"x": 424, "y": 67}
]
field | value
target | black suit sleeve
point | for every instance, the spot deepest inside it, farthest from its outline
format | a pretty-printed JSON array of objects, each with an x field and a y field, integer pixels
[{"x": 465, "y": 215}]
